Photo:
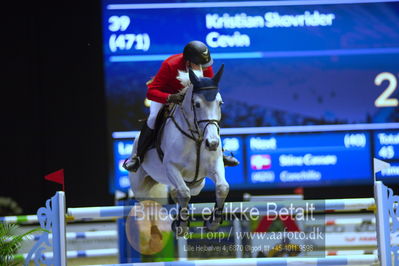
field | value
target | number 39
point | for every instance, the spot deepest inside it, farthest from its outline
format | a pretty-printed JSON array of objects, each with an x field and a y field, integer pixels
[{"x": 383, "y": 100}]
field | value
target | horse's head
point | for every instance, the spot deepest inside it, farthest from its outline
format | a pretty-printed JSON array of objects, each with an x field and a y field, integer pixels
[{"x": 204, "y": 99}]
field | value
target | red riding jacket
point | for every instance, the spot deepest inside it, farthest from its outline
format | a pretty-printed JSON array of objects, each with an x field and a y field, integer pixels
[{"x": 165, "y": 82}]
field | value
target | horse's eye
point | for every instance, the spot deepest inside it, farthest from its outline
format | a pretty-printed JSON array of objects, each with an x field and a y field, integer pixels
[
  {"x": 221, "y": 102},
  {"x": 197, "y": 104}
]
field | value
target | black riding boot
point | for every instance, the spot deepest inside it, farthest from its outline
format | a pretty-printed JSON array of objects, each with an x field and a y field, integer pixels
[
  {"x": 144, "y": 141},
  {"x": 230, "y": 160}
]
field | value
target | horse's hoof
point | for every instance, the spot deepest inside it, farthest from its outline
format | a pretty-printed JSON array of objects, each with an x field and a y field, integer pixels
[
  {"x": 180, "y": 228},
  {"x": 174, "y": 225},
  {"x": 214, "y": 221},
  {"x": 212, "y": 225}
]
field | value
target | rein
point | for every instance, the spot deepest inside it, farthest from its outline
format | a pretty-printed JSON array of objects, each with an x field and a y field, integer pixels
[{"x": 199, "y": 139}]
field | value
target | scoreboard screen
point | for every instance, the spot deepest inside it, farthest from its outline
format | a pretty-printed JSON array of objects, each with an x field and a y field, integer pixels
[{"x": 294, "y": 66}]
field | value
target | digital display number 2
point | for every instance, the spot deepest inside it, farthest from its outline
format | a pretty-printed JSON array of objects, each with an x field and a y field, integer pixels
[{"x": 383, "y": 100}]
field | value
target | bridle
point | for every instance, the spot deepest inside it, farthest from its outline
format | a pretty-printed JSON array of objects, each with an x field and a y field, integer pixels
[{"x": 195, "y": 133}]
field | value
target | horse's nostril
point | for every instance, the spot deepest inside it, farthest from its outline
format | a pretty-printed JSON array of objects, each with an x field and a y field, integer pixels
[{"x": 212, "y": 145}]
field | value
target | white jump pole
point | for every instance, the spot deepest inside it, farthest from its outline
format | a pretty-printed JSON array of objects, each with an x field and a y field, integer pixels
[
  {"x": 333, "y": 260},
  {"x": 89, "y": 253},
  {"x": 233, "y": 207},
  {"x": 108, "y": 234}
]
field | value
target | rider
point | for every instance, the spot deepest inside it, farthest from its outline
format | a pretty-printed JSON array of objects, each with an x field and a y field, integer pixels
[{"x": 165, "y": 88}]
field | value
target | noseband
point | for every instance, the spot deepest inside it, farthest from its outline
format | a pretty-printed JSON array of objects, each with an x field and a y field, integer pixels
[
  {"x": 207, "y": 121},
  {"x": 210, "y": 122}
]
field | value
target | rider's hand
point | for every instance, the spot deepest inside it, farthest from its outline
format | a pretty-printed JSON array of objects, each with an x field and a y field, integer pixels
[{"x": 176, "y": 98}]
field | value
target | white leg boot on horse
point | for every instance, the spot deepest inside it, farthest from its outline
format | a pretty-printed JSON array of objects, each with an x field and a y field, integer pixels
[
  {"x": 182, "y": 195},
  {"x": 222, "y": 190},
  {"x": 216, "y": 218}
]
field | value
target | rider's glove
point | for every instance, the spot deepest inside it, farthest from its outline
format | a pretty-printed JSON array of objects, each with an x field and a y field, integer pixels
[{"x": 175, "y": 98}]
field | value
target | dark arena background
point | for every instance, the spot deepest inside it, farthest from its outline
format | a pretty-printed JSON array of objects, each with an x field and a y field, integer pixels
[
  {"x": 310, "y": 90},
  {"x": 303, "y": 82},
  {"x": 54, "y": 112}
]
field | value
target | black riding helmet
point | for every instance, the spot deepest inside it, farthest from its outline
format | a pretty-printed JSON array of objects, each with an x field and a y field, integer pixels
[{"x": 198, "y": 53}]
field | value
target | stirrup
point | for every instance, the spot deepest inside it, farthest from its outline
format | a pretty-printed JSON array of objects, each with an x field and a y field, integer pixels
[{"x": 230, "y": 160}]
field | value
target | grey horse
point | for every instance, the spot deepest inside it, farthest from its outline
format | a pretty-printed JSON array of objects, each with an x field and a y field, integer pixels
[{"x": 192, "y": 150}]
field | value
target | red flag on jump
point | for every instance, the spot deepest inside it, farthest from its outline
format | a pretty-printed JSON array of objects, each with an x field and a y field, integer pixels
[
  {"x": 57, "y": 176},
  {"x": 298, "y": 191}
]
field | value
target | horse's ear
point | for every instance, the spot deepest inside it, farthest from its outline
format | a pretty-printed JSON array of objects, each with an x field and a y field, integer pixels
[
  {"x": 218, "y": 75},
  {"x": 193, "y": 78}
]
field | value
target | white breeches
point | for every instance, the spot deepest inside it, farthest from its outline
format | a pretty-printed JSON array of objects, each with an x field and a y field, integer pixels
[{"x": 154, "y": 110}]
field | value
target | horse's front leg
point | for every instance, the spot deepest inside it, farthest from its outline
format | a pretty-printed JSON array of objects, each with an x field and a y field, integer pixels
[
  {"x": 222, "y": 190},
  {"x": 182, "y": 196}
]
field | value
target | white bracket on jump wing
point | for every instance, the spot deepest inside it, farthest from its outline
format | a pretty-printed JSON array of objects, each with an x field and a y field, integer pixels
[{"x": 52, "y": 219}]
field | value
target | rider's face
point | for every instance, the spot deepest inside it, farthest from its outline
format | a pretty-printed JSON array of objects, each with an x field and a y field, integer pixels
[{"x": 195, "y": 67}]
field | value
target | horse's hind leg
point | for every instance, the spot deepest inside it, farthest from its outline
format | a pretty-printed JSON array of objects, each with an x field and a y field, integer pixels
[
  {"x": 139, "y": 185},
  {"x": 147, "y": 189},
  {"x": 144, "y": 187}
]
